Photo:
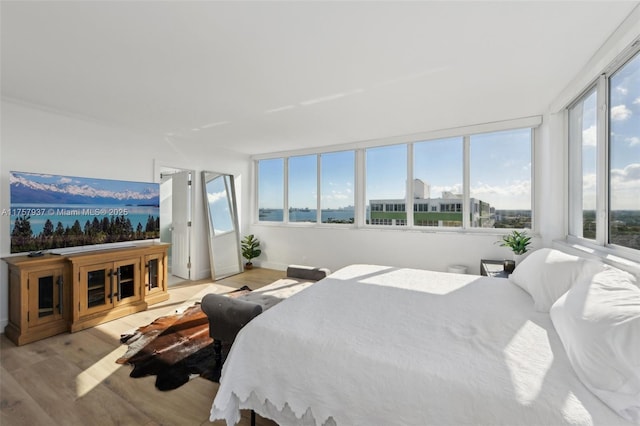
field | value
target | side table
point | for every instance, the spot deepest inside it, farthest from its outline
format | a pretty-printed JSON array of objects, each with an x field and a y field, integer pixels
[{"x": 493, "y": 268}]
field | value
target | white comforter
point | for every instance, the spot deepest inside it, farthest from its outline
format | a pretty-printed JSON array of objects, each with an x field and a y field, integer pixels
[{"x": 376, "y": 345}]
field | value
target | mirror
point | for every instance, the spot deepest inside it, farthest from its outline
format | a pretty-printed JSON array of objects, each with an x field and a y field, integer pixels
[{"x": 224, "y": 239}]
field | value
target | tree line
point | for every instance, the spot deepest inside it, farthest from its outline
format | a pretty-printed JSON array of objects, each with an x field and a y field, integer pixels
[{"x": 97, "y": 231}]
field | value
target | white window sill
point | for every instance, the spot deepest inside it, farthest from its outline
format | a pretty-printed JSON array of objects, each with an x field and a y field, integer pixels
[{"x": 624, "y": 261}]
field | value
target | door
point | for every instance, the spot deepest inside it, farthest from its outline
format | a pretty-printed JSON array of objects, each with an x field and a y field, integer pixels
[
  {"x": 181, "y": 224},
  {"x": 45, "y": 296},
  {"x": 154, "y": 274},
  {"x": 96, "y": 288},
  {"x": 126, "y": 282}
]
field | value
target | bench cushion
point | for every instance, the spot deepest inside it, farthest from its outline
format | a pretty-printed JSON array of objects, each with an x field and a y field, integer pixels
[
  {"x": 307, "y": 273},
  {"x": 227, "y": 315},
  {"x": 274, "y": 293}
]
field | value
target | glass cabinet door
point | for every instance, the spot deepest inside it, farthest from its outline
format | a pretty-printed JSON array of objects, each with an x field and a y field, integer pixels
[
  {"x": 154, "y": 277},
  {"x": 126, "y": 281},
  {"x": 45, "y": 296},
  {"x": 96, "y": 288},
  {"x": 154, "y": 274},
  {"x": 46, "y": 291},
  {"x": 106, "y": 285},
  {"x": 96, "y": 291}
]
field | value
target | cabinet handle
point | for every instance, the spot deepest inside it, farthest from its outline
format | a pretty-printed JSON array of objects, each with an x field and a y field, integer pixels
[
  {"x": 111, "y": 285},
  {"x": 119, "y": 284},
  {"x": 149, "y": 275},
  {"x": 60, "y": 294}
]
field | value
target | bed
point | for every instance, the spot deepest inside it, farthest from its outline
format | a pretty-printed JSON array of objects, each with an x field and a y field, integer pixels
[{"x": 380, "y": 345}]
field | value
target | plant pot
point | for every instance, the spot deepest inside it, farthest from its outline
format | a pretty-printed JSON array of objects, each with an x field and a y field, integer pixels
[{"x": 248, "y": 266}]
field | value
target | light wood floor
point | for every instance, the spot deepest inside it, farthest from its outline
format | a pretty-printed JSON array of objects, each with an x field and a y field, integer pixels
[{"x": 73, "y": 379}]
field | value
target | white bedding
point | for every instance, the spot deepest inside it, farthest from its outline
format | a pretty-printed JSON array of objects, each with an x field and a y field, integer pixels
[{"x": 376, "y": 345}]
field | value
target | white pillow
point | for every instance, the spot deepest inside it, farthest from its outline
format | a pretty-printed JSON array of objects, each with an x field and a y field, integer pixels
[
  {"x": 598, "y": 322},
  {"x": 546, "y": 274}
]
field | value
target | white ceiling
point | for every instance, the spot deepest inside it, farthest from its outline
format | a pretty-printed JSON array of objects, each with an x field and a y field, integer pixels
[{"x": 260, "y": 77}]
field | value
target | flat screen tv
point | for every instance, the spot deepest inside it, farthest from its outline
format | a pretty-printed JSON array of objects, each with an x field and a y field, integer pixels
[{"x": 50, "y": 212}]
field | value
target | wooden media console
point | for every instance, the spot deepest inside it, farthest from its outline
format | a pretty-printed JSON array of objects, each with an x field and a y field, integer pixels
[{"x": 53, "y": 294}]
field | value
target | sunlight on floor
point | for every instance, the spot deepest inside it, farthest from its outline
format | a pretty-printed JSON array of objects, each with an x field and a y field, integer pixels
[
  {"x": 102, "y": 369},
  {"x": 98, "y": 372}
]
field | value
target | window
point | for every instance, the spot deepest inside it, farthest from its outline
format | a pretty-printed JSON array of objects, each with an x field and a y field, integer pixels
[
  {"x": 336, "y": 185},
  {"x": 387, "y": 184},
  {"x": 382, "y": 221},
  {"x": 303, "y": 188},
  {"x": 624, "y": 155},
  {"x": 437, "y": 171},
  {"x": 420, "y": 206},
  {"x": 583, "y": 129},
  {"x": 500, "y": 179},
  {"x": 475, "y": 180},
  {"x": 604, "y": 159},
  {"x": 270, "y": 190}
]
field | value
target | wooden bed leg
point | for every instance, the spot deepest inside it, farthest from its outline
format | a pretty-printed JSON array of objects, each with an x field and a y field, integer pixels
[{"x": 253, "y": 418}]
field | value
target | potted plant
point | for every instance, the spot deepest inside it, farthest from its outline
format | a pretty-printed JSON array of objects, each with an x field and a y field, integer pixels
[
  {"x": 518, "y": 242},
  {"x": 250, "y": 249}
]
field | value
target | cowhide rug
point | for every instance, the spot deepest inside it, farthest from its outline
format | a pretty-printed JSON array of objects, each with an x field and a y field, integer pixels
[{"x": 174, "y": 348}]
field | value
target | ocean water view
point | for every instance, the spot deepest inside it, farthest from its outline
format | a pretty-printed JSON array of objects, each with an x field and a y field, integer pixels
[
  {"x": 346, "y": 215},
  {"x": 308, "y": 215}
]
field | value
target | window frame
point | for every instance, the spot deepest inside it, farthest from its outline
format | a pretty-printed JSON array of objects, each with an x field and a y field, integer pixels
[
  {"x": 600, "y": 244},
  {"x": 360, "y": 199}
]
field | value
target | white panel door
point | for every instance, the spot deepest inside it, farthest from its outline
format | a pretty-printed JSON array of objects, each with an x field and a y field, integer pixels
[{"x": 181, "y": 224}]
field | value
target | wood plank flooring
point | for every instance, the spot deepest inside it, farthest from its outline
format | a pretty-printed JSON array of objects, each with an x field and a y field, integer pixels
[{"x": 73, "y": 379}]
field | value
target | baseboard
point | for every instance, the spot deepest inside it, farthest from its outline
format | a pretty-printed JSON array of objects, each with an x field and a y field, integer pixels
[{"x": 271, "y": 265}]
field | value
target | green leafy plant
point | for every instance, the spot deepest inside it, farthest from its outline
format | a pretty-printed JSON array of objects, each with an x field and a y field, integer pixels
[
  {"x": 518, "y": 241},
  {"x": 250, "y": 248}
]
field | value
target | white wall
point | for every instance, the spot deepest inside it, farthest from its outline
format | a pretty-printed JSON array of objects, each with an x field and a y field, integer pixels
[
  {"x": 334, "y": 248},
  {"x": 34, "y": 140}
]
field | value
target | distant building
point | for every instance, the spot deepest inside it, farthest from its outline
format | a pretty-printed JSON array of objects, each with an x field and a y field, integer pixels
[
  {"x": 443, "y": 211},
  {"x": 421, "y": 189}
]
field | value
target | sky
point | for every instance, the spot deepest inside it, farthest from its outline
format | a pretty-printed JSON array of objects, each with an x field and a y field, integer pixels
[
  {"x": 624, "y": 125},
  {"x": 219, "y": 210},
  {"x": 337, "y": 181},
  {"x": 500, "y": 166},
  {"x": 437, "y": 163}
]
